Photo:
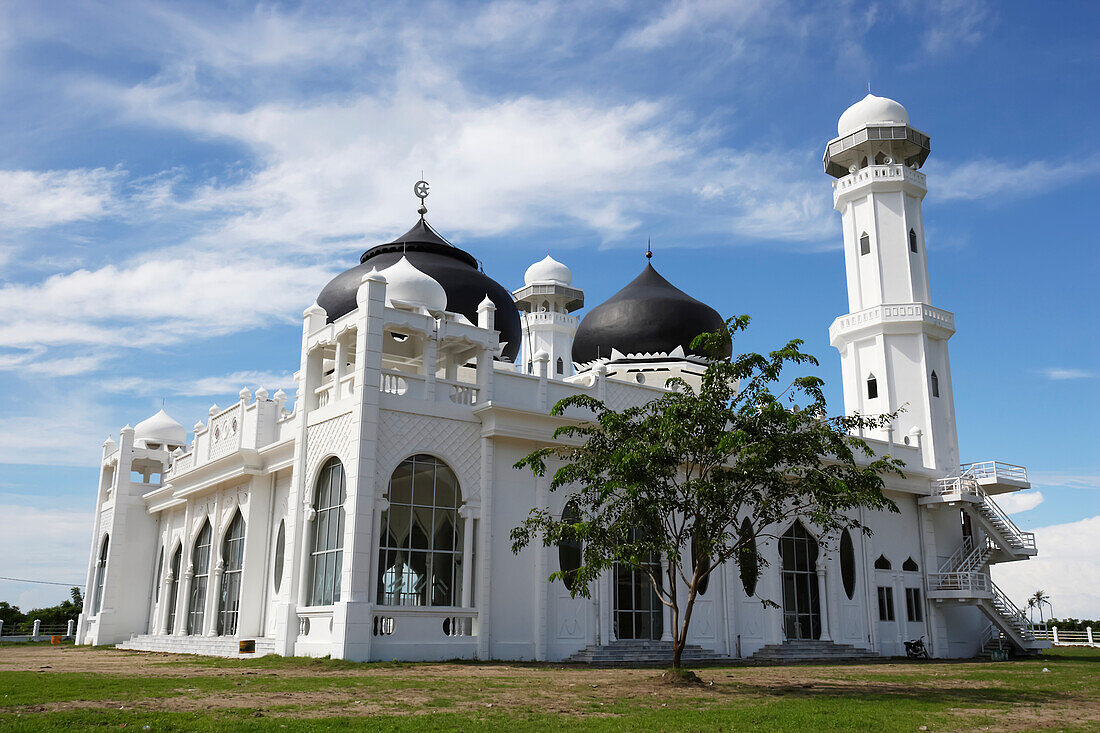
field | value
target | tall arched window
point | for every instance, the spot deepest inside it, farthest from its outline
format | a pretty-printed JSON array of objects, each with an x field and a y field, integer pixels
[
  {"x": 747, "y": 560},
  {"x": 326, "y": 558},
  {"x": 872, "y": 387},
  {"x": 200, "y": 561},
  {"x": 233, "y": 557},
  {"x": 280, "y": 552},
  {"x": 847, "y": 564},
  {"x": 801, "y": 603},
  {"x": 174, "y": 588},
  {"x": 560, "y": 366},
  {"x": 912, "y": 241},
  {"x": 420, "y": 553},
  {"x": 864, "y": 244},
  {"x": 935, "y": 385},
  {"x": 100, "y": 576},
  {"x": 569, "y": 551}
]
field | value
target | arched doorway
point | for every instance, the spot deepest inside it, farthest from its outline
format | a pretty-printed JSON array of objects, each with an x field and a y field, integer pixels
[
  {"x": 801, "y": 604},
  {"x": 200, "y": 561}
]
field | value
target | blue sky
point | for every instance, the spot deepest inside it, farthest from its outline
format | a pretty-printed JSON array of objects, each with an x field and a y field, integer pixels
[{"x": 178, "y": 181}]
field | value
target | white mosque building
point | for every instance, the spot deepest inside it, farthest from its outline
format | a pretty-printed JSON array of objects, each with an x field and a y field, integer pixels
[{"x": 370, "y": 519}]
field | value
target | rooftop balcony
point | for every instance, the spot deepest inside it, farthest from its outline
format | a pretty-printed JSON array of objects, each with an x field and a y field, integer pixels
[{"x": 997, "y": 477}]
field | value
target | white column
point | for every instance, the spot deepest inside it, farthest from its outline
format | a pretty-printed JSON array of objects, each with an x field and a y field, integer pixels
[
  {"x": 467, "y": 514},
  {"x": 341, "y": 366},
  {"x": 1088, "y": 633},
  {"x": 168, "y": 578},
  {"x": 1054, "y": 630},
  {"x": 431, "y": 362},
  {"x": 542, "y": 487},
  {"x": 213, "y": 605},
  {"x": 823, "y": 603},
  {"x": 69, "y": 630},
  {"x": 182, "y": 608},
  {"x": 37, "y": 627}
]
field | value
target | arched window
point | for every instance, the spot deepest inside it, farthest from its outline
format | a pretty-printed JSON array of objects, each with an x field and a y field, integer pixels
[
  {"x": 912, "y": 241},
  {"x": 233, "y": 557},
  {"x": 100, "y": 576},
  {"x": 880, "y": 158},
  {"x": 747, "y": 560},
  {"x": 882, "y": 563},
  {"x": 798, "y": 551},
  {"x": 200, "y": 561},
  {"x": 847, "y": 564},
  {"x": 327, "y": 553},
  {"x": 700, "y": 562},
  {"x": 864, "y": 244},
  {"x": 420, "y": 553},
  {"x": 910, "y": 565},
  {"x": 872, "y": 387},
  {"x": 863, "y": 163},
  {"x": 280, "y": 552},
  {"x": 560, "y": 366},
  {"x": 174, "y": 588},
  {"x": 935, "y": 385},
  {"x": 569, "y": 551}
]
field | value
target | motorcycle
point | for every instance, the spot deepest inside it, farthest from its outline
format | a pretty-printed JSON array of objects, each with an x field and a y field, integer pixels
[{"x": 915, "y": 649}]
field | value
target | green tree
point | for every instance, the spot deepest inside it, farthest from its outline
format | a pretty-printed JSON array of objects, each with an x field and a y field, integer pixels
[
  {"x": 1038, "y": 600},
  {"x": 689, "y": 467},
  {"x": 10, "y": 615}
]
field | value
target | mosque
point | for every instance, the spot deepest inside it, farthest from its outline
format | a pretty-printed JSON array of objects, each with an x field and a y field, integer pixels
[{"x": 369, "y": 517}]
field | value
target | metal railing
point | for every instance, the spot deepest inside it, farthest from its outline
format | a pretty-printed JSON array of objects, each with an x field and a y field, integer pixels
[
  {"x": 964, "y": 486},
  {"x": 970, "y": 582},
  {"x": 982, "y": 470}
]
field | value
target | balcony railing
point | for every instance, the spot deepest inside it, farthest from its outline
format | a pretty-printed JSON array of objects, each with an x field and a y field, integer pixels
[
  {"x": 415, "y": 386},
  {"x": 983, "y": 470}
]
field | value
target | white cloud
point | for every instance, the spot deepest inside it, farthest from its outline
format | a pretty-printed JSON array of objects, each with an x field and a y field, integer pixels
[
  {"x": 953, "y": 24},
  {"x": 986, "y": 178},
  {"x": 62, "y": 430},
  {"x": 693, "y": 17},
  {"x": 1066, "y": 568},
  {"x": 36, "y": 199},
  {"x": 1068, "y": 480},
  {"x": 156, "y": 301},
  {"x": 1020, "y": 501},
  {"x": 46, "y": 540},
  {"x": 229, "y": 384},
  {"x": 1059, "y": 373}
]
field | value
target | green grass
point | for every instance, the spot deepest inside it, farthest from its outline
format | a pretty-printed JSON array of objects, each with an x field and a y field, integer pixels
[{"x": 232, "y": 695}]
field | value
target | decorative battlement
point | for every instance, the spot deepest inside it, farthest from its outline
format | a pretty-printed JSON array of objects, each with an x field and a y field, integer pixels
[
  {"x": 891, "y": 313},
  {"x": 876, "y": 173}
]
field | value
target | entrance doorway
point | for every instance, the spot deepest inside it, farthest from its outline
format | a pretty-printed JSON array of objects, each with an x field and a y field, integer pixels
[
  {"x": 639, "y": 613},
  {"x": 801, "y": 604}
]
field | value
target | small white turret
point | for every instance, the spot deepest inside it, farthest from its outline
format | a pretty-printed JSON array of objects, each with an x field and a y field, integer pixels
[
  {"x": 546, "y": 302},
  {"x": 160, "y": 431}
]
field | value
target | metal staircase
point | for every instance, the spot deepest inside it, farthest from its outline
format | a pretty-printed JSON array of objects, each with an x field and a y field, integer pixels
[{"x": 964, "y": 577}]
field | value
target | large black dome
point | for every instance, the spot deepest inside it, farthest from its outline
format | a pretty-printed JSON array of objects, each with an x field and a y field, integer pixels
[
  {"x": 650, "y": 315},
  {"x": 454, "y": 269}
]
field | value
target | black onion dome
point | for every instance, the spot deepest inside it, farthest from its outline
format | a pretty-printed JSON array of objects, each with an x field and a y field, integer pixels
[
  {"x": 457, "y": 271},
  {"x": 648, "y": 316}
]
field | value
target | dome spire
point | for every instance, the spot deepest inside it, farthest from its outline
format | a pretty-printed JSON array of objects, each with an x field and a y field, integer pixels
[
  {"x": 420, "y": 188},
  {"x": 649, "y": 248}
]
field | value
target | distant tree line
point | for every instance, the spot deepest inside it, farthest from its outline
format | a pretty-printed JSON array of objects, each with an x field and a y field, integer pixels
[
  {"x": 1074, "y": 624},
  {"x": 15, "y": 621}
]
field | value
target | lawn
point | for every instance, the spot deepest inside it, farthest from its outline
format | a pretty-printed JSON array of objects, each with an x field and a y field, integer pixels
[{"x": 73, "y": 688}]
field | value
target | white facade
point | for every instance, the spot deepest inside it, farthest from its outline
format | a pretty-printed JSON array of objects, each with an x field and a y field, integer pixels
[{"x": 371, "y": 520}]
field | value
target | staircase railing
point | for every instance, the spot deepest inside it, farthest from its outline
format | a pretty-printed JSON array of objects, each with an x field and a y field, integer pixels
[
  {"x": 965, "y": 485},
  {"x": 1011, "y": 613},
  {"x": 970, "y": 582}
]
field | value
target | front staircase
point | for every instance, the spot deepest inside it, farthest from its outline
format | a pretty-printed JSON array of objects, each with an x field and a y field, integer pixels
[
  {"x": 807, "y": 650},
  {"x": 964, "y": 577},
  {"x": 213, "y": 646},
  {"x": 637, "y": 652}
]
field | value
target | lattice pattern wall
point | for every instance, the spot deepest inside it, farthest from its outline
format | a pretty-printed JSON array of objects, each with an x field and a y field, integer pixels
[
  {"x": 457, "y": 442},
  {"x": 225, "y": 432},
  {"x": 331, "y": 437}
]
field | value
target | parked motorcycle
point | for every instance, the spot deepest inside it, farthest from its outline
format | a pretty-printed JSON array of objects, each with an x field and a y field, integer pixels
[{"x": 915, "y": 649}]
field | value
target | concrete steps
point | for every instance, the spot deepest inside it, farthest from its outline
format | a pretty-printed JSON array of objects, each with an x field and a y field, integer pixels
[
  {"x": 805, "y": 650},
  {"x": 632, "y": 653},
  {"x": 212, "y": 646}
]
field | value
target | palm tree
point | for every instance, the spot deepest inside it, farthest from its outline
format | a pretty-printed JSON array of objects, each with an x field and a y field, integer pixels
[
  {"x": 1031, "y": 609},
  {"x": 1037, "y": 601}
]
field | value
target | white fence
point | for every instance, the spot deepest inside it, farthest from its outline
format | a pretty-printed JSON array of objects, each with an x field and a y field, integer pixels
[
  {"x": 37, "y": 632},
  {"x": 1066, "y": 637}
]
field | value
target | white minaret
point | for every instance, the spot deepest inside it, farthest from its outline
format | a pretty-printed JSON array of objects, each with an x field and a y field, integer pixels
[
  {"x": 546, "y": 302},
  {"x": 892, "y": 343}
]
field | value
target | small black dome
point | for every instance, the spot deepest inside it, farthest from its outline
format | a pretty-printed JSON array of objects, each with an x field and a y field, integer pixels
[
  {"x": 457, "y": 271},
  {"x": 650, "y": 315}
]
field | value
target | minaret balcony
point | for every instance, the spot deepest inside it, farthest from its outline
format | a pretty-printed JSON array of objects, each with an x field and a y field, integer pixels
[
  {"x": 872, "y": 174},
  {"x": 892, "y": 317},
  {"x": 550, "y": 318}
]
